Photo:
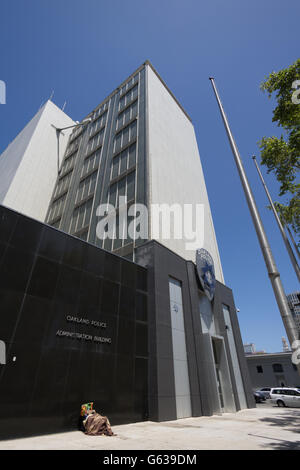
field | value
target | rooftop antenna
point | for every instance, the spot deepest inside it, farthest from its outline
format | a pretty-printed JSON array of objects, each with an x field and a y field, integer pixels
[
  {"x": 50, "y": 98},
  {"x": 64, "y": 106}
]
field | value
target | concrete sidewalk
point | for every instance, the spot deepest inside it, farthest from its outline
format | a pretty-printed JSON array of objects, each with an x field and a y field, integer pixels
[{"x": 265, "y": 427}]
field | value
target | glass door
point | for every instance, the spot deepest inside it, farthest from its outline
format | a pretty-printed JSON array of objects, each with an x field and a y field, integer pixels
[{"x": 219, "y": 383}]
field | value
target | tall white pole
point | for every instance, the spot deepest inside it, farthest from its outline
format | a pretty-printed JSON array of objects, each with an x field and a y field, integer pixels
[
  {"x": 284, "y": 236},
  {"x": 287, "y": 318}
]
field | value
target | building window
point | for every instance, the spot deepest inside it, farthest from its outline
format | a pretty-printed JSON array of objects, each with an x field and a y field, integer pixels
[
  {"x": 68, "y": 163},
  {"x": 73, "y": 146},
  {"x": 86, "y": 187},
  {"x": 81, "y": 216},
  {"x": 124, "y": 187},
  {"x": 95, "y": 141},
  {"x": 63, "y": 184},
  {"x": 277, "y": 368},
  {"x": 98, "y": 123},
  {"x": 123, "y": 161},
  {"x": 91, "y": 162},
  {"x": 125, "y": 136},
  {"x": 129, "y": 84},
  {"x": 259, "y": 369},
  {"x": 100, "y": 110},
  {"x": 75, "y": 133},
  {"x": 127, "y": 115},
  {"x": 57, "y": 207},
  {"x": 131, "y": 95}
]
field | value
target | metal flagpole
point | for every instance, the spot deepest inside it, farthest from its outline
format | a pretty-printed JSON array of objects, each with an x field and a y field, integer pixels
[
  {"x": 284, "y": 236},
  {"x": 286, "y": 226},
  {"x": 273, "y": 273},
  {"x": 292, "y": 238}
]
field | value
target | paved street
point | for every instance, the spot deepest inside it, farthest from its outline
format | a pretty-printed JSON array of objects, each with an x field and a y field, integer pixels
[{"x": 265, "y": 427}]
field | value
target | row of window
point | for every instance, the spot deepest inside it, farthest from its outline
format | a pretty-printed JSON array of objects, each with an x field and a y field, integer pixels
[
  {"x": 98, "y": 123},
  {"x": 91, "y": 162},
  {"x": 76, "y": 132},
  {"x": 127, "y": 115},
  {"x": 124, "y": 187},
  {"x": 63, "y": 184},
  {"x": 125, "y": 136},
  {"x": 275, "y": 367},
  {"x": 95, "y": 141},
  {"x": 57, "y": 207},
  {"x": 86, "y": 187},
  {"x": 81, "y": 216},
  {"x": 100, "y": 110},
  {"x": 121, "y": 234},
  {"x": 120, "y": 164},
  {"x": 129, "y": 84},
  {"x": 294, "y": 297},
  {"x": 131, "y": 95},
  {"x": 73, "y": 146},
  {"x": 123, "y": 161},
  {"x": 68, "y": 163}
]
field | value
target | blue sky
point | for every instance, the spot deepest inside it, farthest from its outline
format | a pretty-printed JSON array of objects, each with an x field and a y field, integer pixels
[{"x": 84, "y": 49}]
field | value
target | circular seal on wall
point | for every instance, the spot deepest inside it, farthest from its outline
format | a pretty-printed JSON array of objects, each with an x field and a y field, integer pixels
[{"x": 206, "y": 272}]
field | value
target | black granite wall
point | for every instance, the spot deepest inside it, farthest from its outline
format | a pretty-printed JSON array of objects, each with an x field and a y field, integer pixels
[{"x": 53, "y": 285}]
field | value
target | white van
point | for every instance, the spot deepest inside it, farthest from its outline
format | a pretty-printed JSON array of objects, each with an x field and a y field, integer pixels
[{"x": 284, "y": 396}]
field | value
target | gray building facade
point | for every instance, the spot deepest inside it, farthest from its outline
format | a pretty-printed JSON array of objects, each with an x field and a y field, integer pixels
[
  {"x": 104, "y": 161},
  {"x": 139, "y": 144},
  {"x": 196, "y": 360},
  {"x": 272, "y": 370}
]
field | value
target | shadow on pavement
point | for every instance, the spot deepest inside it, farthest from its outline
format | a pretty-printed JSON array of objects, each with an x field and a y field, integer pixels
[
  {"x": 288, "y": 420},
  {"x": 285, "y": 445}
]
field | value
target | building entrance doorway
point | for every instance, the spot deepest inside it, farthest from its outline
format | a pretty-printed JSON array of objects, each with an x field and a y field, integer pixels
[
  {"x": 219, "y": 384},
  {"x": 222, "y": 375},
  {"x": 218, "y": 373}
]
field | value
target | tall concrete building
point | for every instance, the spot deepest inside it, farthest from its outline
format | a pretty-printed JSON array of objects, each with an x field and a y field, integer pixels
[
  {"x": 28, "y": 166},
  {"x": 152, "y": 337},
  {"x": 140, "y": 144}
]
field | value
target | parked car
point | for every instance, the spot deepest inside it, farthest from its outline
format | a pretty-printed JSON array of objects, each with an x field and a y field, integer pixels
[
  {"x": 265, "y": 391},
  {"x": 259, "y": 397},
  {"x": 285, "y": 396}
]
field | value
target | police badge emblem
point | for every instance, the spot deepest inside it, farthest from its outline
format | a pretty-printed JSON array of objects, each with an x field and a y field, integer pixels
[{"x": 206, "y": 272}]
